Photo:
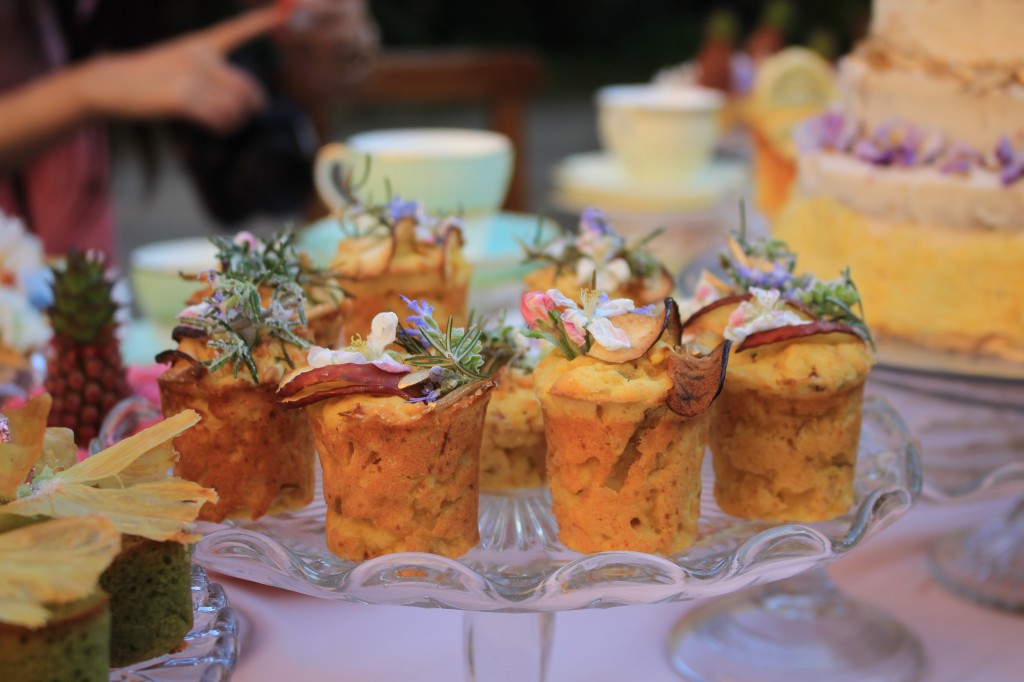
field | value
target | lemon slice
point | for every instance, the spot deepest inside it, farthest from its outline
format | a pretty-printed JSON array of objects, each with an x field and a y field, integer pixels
[
  {"x": 791, "y": 85},
  {"x": 52, "y": 562}
]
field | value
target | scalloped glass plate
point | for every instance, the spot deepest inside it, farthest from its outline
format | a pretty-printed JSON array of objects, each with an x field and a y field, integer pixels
[
  {"x": 211, "y": 647},
  {"x": 519, "y": 564}
]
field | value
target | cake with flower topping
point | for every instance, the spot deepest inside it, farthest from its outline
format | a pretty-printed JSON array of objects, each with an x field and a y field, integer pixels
[
  {"x": 597, "y": 256},
  {"x": 398, "y": 433},
  {"x": 149, "y": 581},
  {"x": 55, "y": 622},
  {"x": 916, "y": 180},
  {"x": 786, "y": 428},
  {"x": 399, "y": 249},
  {"x": 233, "y": 349},
  {"x": 626, "y": 418}
]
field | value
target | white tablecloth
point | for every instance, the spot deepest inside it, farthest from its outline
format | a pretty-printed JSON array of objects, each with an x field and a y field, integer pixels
[{"x": 290, "y": 637}]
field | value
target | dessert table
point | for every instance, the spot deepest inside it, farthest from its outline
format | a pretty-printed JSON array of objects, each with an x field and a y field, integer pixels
[{"x": 291, "y": 636}]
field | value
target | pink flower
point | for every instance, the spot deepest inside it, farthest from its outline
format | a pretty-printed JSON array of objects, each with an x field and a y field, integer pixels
[
  {"x": 576, "y": 333},
  {"x": 247, "y": 238},
  {"x": 534, "y": 307}
]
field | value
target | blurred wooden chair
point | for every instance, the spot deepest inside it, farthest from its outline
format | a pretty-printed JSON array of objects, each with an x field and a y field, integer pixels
[{"x": 502, "y": 80}]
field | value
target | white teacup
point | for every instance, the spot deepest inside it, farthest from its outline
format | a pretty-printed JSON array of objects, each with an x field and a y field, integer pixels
[
  {"x": 448, "y": 169},
  {"x": 660, "y": 134}
]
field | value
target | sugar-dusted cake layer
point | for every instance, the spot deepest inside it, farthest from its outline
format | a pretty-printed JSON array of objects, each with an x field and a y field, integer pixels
[
  {"x": 974, "y": 202},
  {"x": 936, "y": 286},
  {"x": 965, "y": 31},
  {"x": 976, "y": 109}
]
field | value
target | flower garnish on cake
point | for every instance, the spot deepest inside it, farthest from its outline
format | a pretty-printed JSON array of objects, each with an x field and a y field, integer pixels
[
  {"x": 399, "y": 247},
  {"x": 428, "y": 363},
  {"x": 251, "y": 315},
  {"x": 597, "y": 255},
  {"x": 764, "y": 300}
]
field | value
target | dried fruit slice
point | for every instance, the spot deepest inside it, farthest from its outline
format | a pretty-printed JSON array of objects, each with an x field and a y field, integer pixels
[
  {"x": 319, "y": 383},
  {"x": 697, "y": 379},
  {"x": 659, "y": 285},
  {"x": 643, "y": 331},
  {"x": 453, "y": 243},
  {"x": 27, "y": 426},
  {"x": 52, "y": 562},
  {"x": 364, "y": 257},
  {"x": 795, "y": 331}
]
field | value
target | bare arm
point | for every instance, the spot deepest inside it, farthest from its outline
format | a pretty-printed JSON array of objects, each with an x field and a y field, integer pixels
[{"x": 187, "y": 78}]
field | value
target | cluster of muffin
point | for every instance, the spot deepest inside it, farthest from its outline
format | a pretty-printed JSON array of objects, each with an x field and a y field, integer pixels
[{"x": 604, "y": 395}]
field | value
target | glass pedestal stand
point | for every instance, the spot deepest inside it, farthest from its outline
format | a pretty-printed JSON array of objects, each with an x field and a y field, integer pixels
[
  {"x": 985, "y": 564},
  {"x": 519, "y": 576},
  {"x": 799, "y": 629}
]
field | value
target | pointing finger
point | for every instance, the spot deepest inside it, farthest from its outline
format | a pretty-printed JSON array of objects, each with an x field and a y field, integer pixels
[{"x": 231, "y": 33}]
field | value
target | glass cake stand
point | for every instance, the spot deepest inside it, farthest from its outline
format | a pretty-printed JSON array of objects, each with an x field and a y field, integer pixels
[
  {"x": 520, "y": 566},
  {"x": 969, "y": 415}
]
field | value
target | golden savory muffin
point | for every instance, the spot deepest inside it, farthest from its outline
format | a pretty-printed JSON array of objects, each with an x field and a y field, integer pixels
[
  {"x": 399, "y": 446},
  {"x": 785, "y": 431},
  {"x": 596, "y": 256},
  {"x": 233, "y": 349},
  {"x": 398, "y": 250},
  {"x": 626, "y": 422},
  {"x": 513, "y": 452}
]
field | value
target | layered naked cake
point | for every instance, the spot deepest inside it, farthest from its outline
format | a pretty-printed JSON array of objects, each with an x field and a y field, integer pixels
[{"x": 915, "y": 181}]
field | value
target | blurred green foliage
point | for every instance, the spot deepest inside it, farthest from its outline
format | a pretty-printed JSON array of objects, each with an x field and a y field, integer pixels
[{"x": 593, "y": 41}]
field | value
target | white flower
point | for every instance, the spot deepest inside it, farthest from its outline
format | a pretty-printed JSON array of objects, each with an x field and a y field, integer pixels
[
  {"x": 22, "y": 327},
  {"x": 598, "y": 246},
  {"x": 373, "y": 350},
  {"x": 21, "y": 252},
  {"x": 594, "y": 317},
  {"x": 765, "y": 310},
  {"x": 704, "y": 294}
]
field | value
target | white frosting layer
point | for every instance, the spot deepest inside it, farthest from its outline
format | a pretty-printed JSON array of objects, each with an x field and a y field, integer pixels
[
  {"x": 923, "y": 196},
  {"x": 875, "y": 96},
  {"x": 970, "y": 32}
]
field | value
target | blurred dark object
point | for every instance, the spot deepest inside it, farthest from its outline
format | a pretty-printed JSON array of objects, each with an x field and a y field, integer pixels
[
  {"x": 772, "y": 31},
  {"x": 714, "y": 59},
  {"x": 266, "y": 167}
]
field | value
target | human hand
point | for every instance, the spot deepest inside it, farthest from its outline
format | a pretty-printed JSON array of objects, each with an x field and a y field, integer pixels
[{"x": 188, "y": 77}]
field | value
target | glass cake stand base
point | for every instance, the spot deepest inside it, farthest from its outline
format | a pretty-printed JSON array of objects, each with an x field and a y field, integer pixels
[
  {"x": 800, "y": 629},
  {"x": 985, "y": 564}
]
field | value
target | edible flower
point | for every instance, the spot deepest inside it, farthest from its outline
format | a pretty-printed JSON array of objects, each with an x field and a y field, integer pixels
[
  {"x": 373, "y": 350},
  {"x": 764, "y": 310},
  {"x": 573, "y": 327},
  {"x": 5, "y": 429}
]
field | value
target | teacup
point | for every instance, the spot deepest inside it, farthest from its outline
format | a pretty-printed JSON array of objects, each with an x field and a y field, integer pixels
[
  {"x": 448, "y": 169},
  {"x": 659, "y": 134}
]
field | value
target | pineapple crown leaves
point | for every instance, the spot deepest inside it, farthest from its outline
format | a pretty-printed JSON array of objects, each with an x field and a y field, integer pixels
[
  {"x": 234, "y": 316},
  {"x": 83, "y": 309},
  {"x": 771, "y": 264}
]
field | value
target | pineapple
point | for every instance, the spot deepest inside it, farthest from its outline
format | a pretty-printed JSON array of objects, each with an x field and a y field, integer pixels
[{"x": 85, "y": 375}]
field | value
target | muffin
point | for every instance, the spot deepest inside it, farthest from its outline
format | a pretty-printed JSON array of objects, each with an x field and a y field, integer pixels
[
  {"x": 55, "y": 624},
  {"x": 597, "y": 257},
  {"x": 149, "y": 581},
  {"x": 233, "y": 349},
  {"x": 396, "y": 250},
  {"x": 625, "y": 419},
  {"x": 398, "y": 435},
  {"x": 512, "y": 453},
  {"x": 785, "y": 431}
]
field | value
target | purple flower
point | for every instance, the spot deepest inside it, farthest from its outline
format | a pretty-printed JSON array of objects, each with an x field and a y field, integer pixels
[
  {"x": 437, "y": 374},
  {"x": 958, "y": 159},
  {"x": 1010, "y": 161},
  {"x": 422, "y": 310},
  {"x": 909, "y": 146},
  {"x": 398, "y": 209},
  {"x": 594, "y": 220},
  {"x": 5, "y": 430},
  {"x": 869, "y": 150}
]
